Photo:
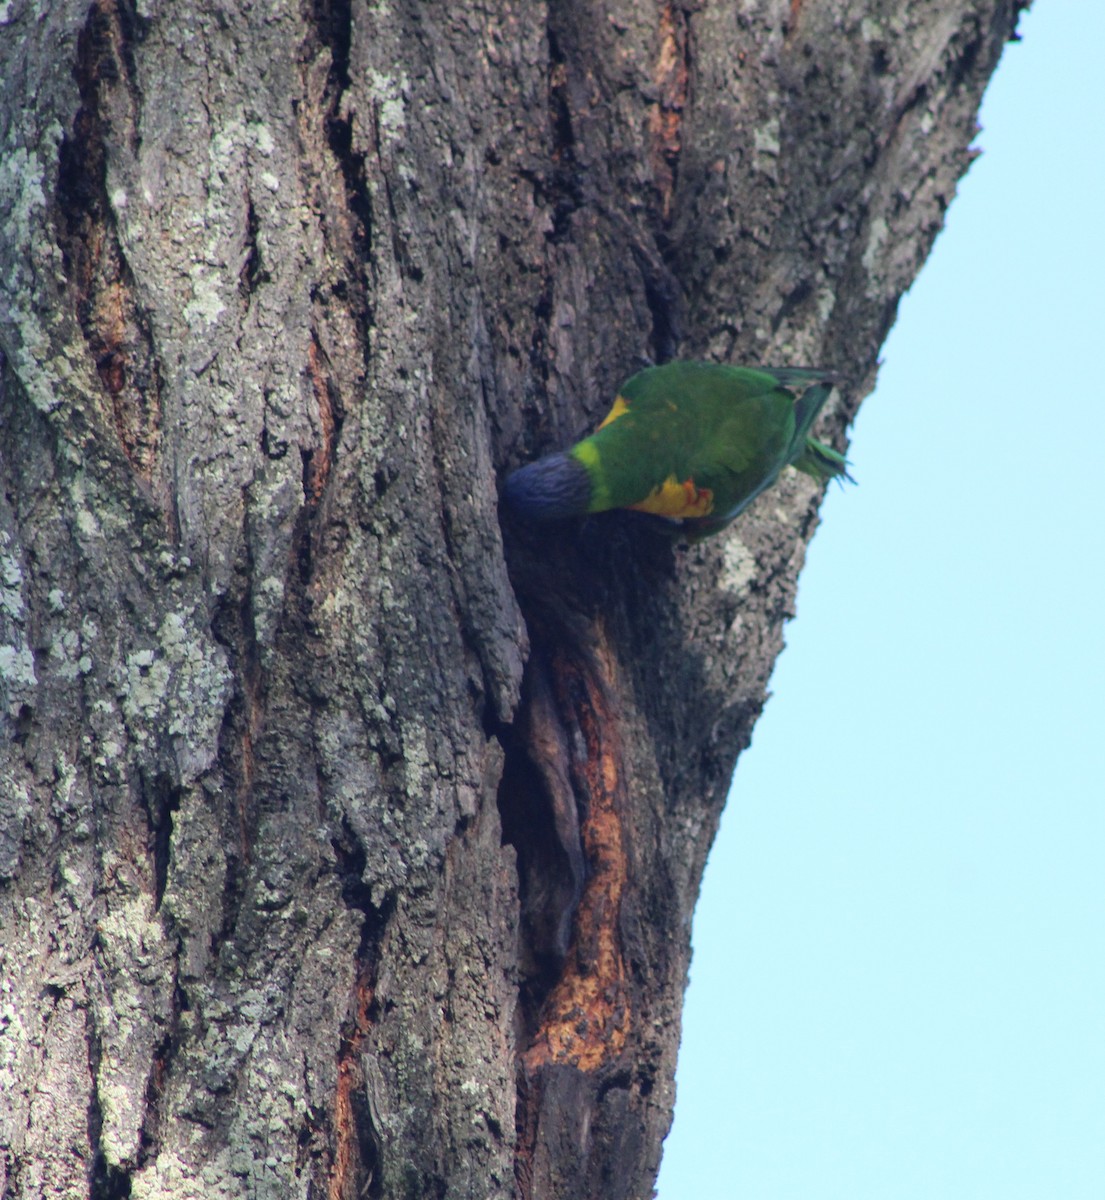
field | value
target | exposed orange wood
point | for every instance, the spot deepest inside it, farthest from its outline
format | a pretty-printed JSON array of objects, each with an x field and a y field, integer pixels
[
  {"x": 342, "y": 1184},
  {"x": 586, "y": 1017},
  {"x": 670, "y": 76}
]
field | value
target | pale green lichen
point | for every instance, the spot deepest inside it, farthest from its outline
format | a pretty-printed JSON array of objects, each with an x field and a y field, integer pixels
[
  {"x": 201, "y": 681},
  {"x": 179, "y": 688},
  {"x": 266, "y": 612},
  {"x": 738, "y": 567},
  {"x": 876, "y": 239},
  {"x": 133, "y": 950},
  {"x": 17, "y": 806},
  {"x": 11, "y": 585},
  {"x": 169, "y": 1177},
  {"x": 206, "y": 305},
  {"x": 21, "y": 192},
  {"x": 65, "y": 779},
  {"x": 88, "y": 524},
  {"x": 766, "y": 138},
  {"x": 17, "y": 666},
  {"x": 67, "y": 651},
  {"x": 146, "y": 684},
  {"x": 22, "y": 215},
  {"x": 261, "y": 137},
  {"x": 826, "y": 302},
  {"x": 389, "y": 92},
  {"x": 416, "y": 759},
  {"x": 17, "y": 661}
]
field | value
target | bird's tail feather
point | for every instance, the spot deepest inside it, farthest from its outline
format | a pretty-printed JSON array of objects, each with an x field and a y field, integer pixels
[{"x": 822, "y": 462}]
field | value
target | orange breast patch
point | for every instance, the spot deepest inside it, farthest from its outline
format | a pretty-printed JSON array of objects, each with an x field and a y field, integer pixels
[{"x": 675, "y": 499}]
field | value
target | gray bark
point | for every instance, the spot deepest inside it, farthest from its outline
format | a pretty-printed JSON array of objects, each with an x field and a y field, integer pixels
[{"x": 348, "y": 838}]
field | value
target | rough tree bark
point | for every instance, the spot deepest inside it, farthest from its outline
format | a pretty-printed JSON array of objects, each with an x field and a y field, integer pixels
[{"x": 349, "y": 838}]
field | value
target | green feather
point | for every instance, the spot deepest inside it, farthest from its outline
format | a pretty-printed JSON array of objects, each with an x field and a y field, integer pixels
[
  {"x": 694, "y": 442},
  {"x": 822, "y": 462}
]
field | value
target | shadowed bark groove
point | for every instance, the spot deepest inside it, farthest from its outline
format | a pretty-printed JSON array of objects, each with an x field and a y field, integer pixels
[
  {"x": 115, "y": 329},
  {"x": 350, "y": 830}
]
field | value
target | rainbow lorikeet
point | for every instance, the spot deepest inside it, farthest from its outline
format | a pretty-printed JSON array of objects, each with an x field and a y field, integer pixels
[{"x": 691, "y": 441}]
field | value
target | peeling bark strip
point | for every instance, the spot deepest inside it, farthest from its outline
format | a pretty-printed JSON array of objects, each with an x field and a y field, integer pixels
[
  {"x": 317, "y": 462},
  {"x": 302, "y": 892},
  {"x": 586, "y": 1016},
  {"x": 670, "y": 76}
]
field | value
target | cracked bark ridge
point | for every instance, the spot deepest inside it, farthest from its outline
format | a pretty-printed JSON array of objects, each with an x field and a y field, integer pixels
[{"x": 348, "y": 838}]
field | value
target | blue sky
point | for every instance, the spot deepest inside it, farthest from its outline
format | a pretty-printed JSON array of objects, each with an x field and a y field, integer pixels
[{"x": 898, "y": 986}]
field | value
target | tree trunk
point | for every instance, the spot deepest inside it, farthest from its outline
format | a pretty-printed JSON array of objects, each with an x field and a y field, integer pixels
[{"x": 349, "y": 839}]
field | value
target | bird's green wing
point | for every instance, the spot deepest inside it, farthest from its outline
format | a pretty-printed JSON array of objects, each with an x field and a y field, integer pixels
[
  {"x": 691, "y": 441},
  {"x": 686, "y": 439}
]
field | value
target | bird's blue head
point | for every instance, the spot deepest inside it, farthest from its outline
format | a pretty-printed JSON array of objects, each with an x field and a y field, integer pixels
[{"x": 550, "y": 489}]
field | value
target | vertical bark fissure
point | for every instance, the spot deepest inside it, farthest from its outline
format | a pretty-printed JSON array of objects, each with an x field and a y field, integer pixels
[
  {"x": 357, "y": 1149},
  {"x": 116, "y": 330}
]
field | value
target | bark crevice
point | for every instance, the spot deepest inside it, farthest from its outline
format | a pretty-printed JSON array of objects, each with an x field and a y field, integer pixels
[{"x": 115, "y": 327}]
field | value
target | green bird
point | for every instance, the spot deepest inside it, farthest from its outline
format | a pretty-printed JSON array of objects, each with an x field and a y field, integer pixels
[{"x": 693, "y": 442}]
